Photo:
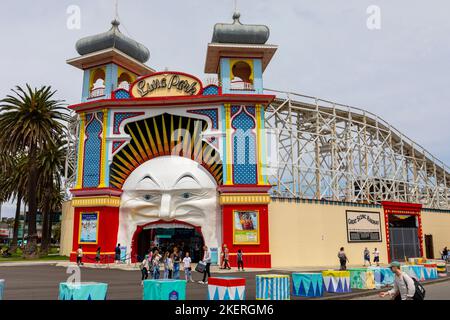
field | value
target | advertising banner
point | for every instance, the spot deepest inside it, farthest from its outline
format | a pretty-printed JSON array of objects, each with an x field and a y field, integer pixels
[
  {"x": 246, "y": 227},
  {"x": 89, "y": 228}
]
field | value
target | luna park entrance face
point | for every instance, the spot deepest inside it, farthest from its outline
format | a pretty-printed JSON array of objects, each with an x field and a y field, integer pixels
[{"x": 165, "y": 237}]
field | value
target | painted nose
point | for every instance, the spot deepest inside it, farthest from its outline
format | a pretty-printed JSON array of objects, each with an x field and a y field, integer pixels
[{"x": 164, "y": 212}]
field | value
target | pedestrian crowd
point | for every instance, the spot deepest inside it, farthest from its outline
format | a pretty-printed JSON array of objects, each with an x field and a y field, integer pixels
[{"x": 167, "y": 265}]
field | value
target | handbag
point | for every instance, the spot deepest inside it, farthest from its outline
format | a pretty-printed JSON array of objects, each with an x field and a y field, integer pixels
[{"x": 201, "y": 266}]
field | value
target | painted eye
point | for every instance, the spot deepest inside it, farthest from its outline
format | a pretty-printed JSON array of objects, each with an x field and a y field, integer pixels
[
  {"x": 186, "y": 195},
  {"x": 148, "y": 197}
]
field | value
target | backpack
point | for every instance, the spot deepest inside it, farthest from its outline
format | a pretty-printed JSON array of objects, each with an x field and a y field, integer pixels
[{"x": 419, "y": 293}]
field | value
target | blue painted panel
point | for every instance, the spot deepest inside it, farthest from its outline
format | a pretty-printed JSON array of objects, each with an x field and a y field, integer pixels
[
  {"x": 92, "y": 152},
  {"x": 244, "y": 149}
]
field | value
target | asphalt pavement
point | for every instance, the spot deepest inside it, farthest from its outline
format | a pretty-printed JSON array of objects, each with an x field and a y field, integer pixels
[{"x": 41, "y": 282}]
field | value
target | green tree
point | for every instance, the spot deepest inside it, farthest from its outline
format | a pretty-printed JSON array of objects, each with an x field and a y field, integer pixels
[
  {"x": 51, "y": 169},
  {"x": 13, "y": 184},
  {"x": 30, "y": 119}
]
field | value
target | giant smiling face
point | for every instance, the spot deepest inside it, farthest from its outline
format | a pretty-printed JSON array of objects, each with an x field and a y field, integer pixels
[{"x": 169, "y": 188}]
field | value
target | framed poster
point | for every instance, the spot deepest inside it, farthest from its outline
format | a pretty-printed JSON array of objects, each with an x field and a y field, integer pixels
[
  {"x": 245, "y": 227},
  {"x": 88, "y": 233},
  {"x": 363, "y": 226}
]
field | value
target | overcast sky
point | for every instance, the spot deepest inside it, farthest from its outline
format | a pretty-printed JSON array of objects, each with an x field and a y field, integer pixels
[{"x": 400, "y": 72}]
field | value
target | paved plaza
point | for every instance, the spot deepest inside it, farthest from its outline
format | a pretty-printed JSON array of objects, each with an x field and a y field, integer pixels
[{"x": 41, "y": 282}]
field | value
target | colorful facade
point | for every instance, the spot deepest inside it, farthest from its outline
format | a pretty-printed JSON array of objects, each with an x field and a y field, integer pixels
[
  {"x": 161, "y": 150},
  {"x": 163, "y": 157}
]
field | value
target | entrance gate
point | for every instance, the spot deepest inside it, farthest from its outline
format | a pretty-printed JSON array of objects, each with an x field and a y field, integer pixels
[
  {"x": 404, "y": 243},
  {"x": 403, "y": 230}
]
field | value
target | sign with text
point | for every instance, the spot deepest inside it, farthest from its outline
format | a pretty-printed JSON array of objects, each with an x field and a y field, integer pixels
[
  {"x": 166, "y": 84},
  {"x": 88, "y": 228},
  {"x": 245, "y": 227},
  {"x": 363, "y": 226}
]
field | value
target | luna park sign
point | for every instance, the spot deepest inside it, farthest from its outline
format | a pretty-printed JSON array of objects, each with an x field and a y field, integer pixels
[{"x": 166, "y": 84}]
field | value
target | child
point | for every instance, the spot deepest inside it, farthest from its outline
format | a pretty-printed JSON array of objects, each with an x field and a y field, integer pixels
[
  {"x": 187, "y": 268},
  {"x": 98, "y": 255},
  {"x": 80, "y": 256},
  {"x": 226, "y": 257},
  {"x": 376, "y": 257},
  {"x": 240, "y": 260}
]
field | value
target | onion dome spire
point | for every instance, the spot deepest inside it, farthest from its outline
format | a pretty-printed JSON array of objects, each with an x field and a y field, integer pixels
[
  {"x": 239, "y": 33},
  {"x": 113, "y": 39}
]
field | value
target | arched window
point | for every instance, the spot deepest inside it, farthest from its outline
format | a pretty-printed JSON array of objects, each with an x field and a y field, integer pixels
[
  {"x": 241, "y": 76},
  {"x": 97, "y": 85},
  {"x": 124, "y": 81}
]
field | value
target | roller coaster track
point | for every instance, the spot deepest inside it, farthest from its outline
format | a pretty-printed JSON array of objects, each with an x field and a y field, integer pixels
[{"x": 330, "y": 151}]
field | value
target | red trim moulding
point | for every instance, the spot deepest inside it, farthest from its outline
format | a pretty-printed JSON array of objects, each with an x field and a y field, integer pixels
[
  {"x": 244, "y": 188},
  {"x": 226, "y": 282},
  {"x": 89, "y": 192},
  {"x": 172, "y": 101}
]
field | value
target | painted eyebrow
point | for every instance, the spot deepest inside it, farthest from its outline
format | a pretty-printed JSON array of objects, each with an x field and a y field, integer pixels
[
  {"x": 186, "y": 175},
  {"x": 151, "y": 179}
]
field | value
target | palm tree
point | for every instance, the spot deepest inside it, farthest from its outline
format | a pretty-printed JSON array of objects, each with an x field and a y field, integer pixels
[
  {"x": 13, "y": 184},
  {"x": 30, "y": 119},
  {"x": 51, "y": 167}
]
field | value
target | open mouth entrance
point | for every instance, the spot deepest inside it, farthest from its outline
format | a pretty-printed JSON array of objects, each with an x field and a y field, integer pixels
[
  {"x": 404, "y": 234},
  {"x": 166, "y": 236}
]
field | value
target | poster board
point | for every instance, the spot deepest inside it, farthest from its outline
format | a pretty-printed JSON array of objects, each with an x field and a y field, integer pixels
[
  {"x": 363, "y": 226},
  {"x": 246, "y": 227},
  {"x": 88, "y": 230}
]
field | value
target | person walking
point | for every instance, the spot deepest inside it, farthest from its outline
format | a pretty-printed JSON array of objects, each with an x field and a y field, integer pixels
[
  {"x": 150, "y": 263},
  {"x": 176, "y": 263},
  {"x": 144, "y": 269},
  {"x": 156, "y": 260},
  {"x": 342, "y": 259},
  {"x": 376, "y": 257},
  {"x": 117, "y": 254},
  {"x": 404, "y": 286},
  {"x": 166, "y": 265},
  {"x": 170, "y": 265},
  {"x": 79, "y": 256},
  {"x": 226, "y": 257},
  {"x": 445, "y": 254},
  {"x": 207, "y": 261},
  {"x": 98, "y": 256},
  {"x": 367, "y": 256},
  {"x": 187, "y": 267},
  {"x": 240, "y": 260}
]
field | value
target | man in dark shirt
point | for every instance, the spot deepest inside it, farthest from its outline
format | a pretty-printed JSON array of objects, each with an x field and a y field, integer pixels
[{"x": 117, "y": 254}]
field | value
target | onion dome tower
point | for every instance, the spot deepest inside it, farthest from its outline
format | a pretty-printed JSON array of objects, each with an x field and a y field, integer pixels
[
  {"x": 110, "y": 61},
  {"x": 238, "y": 54}
]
